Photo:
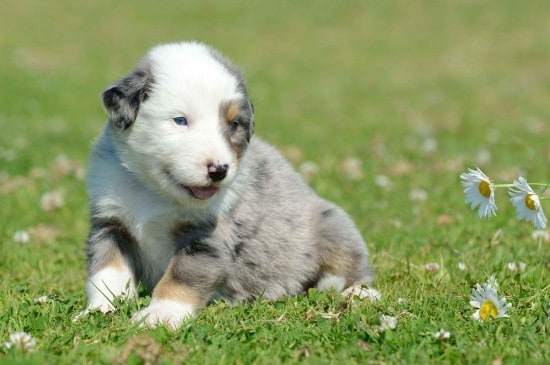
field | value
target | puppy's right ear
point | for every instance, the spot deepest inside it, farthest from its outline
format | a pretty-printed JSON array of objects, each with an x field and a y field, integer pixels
[{"x": 123, "y": 98}]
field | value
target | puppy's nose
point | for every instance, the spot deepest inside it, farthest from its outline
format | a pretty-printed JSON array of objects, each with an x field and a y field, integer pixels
[{"x": 217, "y": 172}]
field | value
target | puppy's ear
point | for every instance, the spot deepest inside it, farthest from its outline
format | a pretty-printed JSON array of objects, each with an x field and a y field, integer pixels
[{"x": 123, "y": 98}]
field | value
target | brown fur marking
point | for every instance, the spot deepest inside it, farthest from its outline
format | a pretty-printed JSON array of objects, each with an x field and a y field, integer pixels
[
  {"x": 116, "y": 261},
  {"x": 231, "y": 111},
  {"x": 170, "y": 289},
  {"x": 336, "y": 263}
]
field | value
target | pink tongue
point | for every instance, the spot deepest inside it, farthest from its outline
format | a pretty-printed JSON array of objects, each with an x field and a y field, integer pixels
[{"x": 203, "y": 193}]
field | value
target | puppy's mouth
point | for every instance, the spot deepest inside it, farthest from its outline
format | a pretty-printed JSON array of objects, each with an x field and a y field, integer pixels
[
  {"x": 197, "y": 192},
  {"x": 202, "y": 192}
]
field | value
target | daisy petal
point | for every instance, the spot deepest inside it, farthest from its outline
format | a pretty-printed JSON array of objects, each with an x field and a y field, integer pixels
[
  {"x": 527, "y": 203},
  {"x": 480, "y": 192}
]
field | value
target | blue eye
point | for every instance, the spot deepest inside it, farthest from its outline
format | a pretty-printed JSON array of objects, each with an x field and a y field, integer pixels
[{"x": 180, "y": 121}]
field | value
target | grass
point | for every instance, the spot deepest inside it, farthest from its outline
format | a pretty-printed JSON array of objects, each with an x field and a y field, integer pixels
[{"x": 417, "y": 91}]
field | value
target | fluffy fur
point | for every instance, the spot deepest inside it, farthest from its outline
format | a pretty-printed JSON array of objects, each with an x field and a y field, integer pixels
[{"x": 184, "y": 200}]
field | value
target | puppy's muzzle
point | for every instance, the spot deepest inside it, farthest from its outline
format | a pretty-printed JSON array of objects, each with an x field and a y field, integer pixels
[{"x": 217, "y": 172}]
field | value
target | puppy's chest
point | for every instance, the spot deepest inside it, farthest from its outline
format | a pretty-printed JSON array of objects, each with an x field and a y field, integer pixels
[
  {"x": 155, "y": 238},
  {"x": 160, "y": 233}
]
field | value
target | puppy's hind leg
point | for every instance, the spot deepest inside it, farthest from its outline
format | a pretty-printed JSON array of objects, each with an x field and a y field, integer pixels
[{"x": 344, "y": 256}]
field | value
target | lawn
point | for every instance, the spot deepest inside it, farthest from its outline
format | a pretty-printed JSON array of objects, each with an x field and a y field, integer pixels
[{"x": 380, "y": 104}]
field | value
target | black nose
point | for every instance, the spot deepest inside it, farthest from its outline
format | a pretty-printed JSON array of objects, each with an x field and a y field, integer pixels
[{"x": 217, "y": 172}]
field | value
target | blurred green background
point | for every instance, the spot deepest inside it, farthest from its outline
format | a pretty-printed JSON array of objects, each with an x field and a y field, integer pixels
[
  {"x": 418, "y": 90},
  {"x": 412, "y": 91}
]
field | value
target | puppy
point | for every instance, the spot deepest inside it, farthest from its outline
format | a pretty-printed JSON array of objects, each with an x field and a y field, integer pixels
[{"x": 185, "y": 201}]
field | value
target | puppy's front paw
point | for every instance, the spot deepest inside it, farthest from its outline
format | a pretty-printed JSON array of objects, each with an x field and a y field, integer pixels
[
  {"x": 106, "y": 285},
  {"x": 164, "y": 312},
  {"x": 102, "y": 306}
]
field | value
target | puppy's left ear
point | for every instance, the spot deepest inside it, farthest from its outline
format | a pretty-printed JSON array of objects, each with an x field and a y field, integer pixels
[{"x": 123, "y": 98}]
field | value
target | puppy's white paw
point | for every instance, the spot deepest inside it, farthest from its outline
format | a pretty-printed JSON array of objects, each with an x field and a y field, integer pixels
[
  {"x": 362, "y": 293},
  {"x": 164, "y": 312},
  {"x": 330, "y": 282},
  {"x": 101, "y": 304},
  {"x": 109, "y": 283},
  {"x": 106, "y": 285}
]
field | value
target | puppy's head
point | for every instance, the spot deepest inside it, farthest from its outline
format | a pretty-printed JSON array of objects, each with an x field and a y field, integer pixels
[{"x": 182, "y": 119}]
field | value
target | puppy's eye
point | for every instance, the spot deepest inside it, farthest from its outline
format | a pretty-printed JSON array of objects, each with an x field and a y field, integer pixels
[
  {"x": 180, "y": 121},
  {"x": 234, "y": 125}
]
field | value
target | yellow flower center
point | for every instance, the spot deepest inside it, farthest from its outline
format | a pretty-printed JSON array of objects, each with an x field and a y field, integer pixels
[
  {"x": 530, "y": 202},
  {"x": 485, "y": 188},
  {"x": 488, "y": 310}
]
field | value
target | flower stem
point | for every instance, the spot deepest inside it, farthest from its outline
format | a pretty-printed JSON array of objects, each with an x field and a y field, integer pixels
[
  {"x": 546, "y": 186},
  {"x": 543, "y": 186},
  {"x": 502, "y": 185}
]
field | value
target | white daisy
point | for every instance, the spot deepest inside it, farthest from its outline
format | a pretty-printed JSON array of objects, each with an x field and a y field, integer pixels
[
  {"x": 541, "y": 236},
  {"x": 383, "y": 182},
  {"x": 516, "y": 266},
  {"x": 429, "y": 145},
  {"x": 512, "y": 266},
  {"x": 483, "y": 156},
  {"x": 21, "y": 341},
  {"x": 21, "y": 237},
  {"x": 353, "y": 168},
  {"x": 480, "y": 191},
  {"x": 527, "y": 203},
  {"x": 486, "y": 299},
  {"x": 362, "y": 293},
  {"x": 309, "y": 169},
  {"x": 418, "y": 195},
  {"x": 431, "y": 267},
  {"x": 388, "y": 322},
  {"x": 442, "y": 335},
  {"x": 372, "y": 294},
  {"x": 42, "y": 299},
  {"x": 51, "y": 201}
]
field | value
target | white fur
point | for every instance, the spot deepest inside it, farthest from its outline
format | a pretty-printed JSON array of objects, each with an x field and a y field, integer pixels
[
  {"x": 331, "y": 282},
  {"x": 164, "y": 312},
  {"x": 107, "y": 284}
]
